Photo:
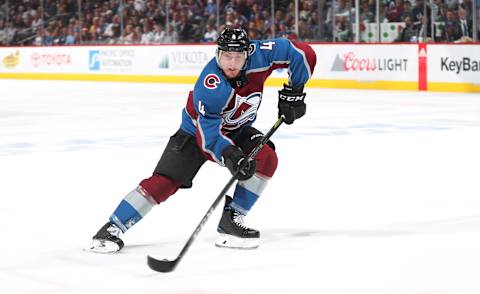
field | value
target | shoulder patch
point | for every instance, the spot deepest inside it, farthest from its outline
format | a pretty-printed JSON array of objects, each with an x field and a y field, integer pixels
[
  {"x": 251, "y": 49},
  {"x": 211, "y": 81}
]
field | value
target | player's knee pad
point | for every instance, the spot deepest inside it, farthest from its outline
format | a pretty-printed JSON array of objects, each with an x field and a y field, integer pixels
[
  {"x": 160, "y": 187},
  {"x": 267, "y": 161}
]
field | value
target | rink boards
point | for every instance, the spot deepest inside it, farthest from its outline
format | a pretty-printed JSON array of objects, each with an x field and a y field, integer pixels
[{"x": 431, "y": 67}]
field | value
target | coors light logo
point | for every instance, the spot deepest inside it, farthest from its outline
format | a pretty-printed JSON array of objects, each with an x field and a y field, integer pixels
[{"x": 351, "y": 62}]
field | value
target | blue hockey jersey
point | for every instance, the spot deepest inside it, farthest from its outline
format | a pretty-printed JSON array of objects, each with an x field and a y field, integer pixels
[{"x": 216, "y": 108}]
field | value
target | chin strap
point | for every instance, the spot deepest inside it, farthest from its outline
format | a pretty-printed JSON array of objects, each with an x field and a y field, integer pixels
[{"x": 240, "y": 81}]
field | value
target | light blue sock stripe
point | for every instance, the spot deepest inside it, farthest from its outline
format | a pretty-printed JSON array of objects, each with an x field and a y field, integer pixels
[
  {"x": 255, "y": 184},
  {"x": 243, "y": 199},
  {"x": 139, "y": 202}
]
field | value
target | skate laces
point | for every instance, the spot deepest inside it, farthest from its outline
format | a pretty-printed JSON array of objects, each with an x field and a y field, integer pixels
[{"x": 238, "y": 219}]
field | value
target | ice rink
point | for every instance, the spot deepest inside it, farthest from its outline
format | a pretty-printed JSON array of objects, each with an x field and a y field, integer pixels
[{"x": 376, "y": 193}]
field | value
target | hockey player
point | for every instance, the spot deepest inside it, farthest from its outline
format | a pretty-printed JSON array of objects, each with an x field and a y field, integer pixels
[{"x": 217, "y": 126}]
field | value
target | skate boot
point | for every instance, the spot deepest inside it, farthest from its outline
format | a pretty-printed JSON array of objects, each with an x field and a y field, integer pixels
[
  {"x": 233, "y": 233},
  {"x": 107, "y": 240}
]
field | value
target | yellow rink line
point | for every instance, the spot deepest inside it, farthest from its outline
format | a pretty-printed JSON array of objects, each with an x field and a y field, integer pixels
[
  {"x": 453, "y": 87},
  {"x": 100, "y": 78},
  {"x": 315, "y": 83},
  {"x": 366, "y": 85}
]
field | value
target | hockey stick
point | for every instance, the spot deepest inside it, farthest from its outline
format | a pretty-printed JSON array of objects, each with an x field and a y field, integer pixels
[{"x": 166, "y": 265}]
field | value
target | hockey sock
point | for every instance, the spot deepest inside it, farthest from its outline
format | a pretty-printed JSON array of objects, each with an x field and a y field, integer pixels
[
  {"x": 132, "y": 209},
  {"x": 247, "y": 193}
]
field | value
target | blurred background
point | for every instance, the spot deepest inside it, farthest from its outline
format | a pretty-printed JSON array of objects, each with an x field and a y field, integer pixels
[{"x": 68, "y": 22}]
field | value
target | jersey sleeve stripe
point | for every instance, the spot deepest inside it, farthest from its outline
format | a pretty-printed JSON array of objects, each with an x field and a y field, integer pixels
[
  {"x": 260, "y": 69},
  {"x": 305, "y": 61},
  {"x": 204, "y": 148}
]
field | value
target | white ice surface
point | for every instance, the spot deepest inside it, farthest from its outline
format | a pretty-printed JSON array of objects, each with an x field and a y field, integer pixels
[{"x": 376, "y": 193}]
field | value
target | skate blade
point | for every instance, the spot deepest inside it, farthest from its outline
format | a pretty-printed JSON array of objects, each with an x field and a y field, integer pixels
[
  {"x": 102, "y": 246},
  {"x": 229, "y": 241}
]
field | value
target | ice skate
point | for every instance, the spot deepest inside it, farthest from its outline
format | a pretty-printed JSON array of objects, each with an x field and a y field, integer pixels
[
  {"x": 107, "y": 240},
  {"x": 233, "y": 233}
]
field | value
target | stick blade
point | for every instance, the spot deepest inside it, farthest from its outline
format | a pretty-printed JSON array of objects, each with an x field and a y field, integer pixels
[{"x": 163, "y": 266}]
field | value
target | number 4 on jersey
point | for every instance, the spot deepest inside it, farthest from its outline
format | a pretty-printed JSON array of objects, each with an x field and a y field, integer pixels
[
  {"x": 267, "y": 45},
  {"x": 201, "y": 108}
]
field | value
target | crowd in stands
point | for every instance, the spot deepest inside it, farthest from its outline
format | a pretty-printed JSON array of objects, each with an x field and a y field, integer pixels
[
  {"x": 64, "y": 22},
  {"x": 445, "y": 20}
]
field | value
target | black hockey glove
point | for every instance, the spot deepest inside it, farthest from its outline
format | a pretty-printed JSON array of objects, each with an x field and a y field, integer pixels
[
  {"x": 290, "y": 103},
  {"x": 234, "y": 159}
]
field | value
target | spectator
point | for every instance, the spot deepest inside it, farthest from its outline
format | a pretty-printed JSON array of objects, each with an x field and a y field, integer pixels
[
  {"x": 256, "y": 12},
  {"x": 267, "y": 27},
  {"x": 282, "y": 31},
  {"x": 442, "y": 12},
  {"x": 304, "y": 32},
  {"x": 465, "y": 24},
  {"x": 3, "y": 32},
  {"x": 59, "y": 36},
  {"x": 210, "y": 34},
  {"x": 185, "y": 29},
  {"x": 137, "y": 35},
  {"x": 38, "y": 41},
  {"x": 305, "y": 10},
  {"x": 313, "y": 26},
  {"x": 452, "y": 4},
  {"x": 452, "y": 31},
  {"x": 240, "y": 20},
  {"x": 128, "y": 35},
  {"x": 171, "y": 36},
  {"x": 160, "y": 14},
  {"x": 147, "y": 35},
  {"x": 366, "y": 13},
  {"x": 343, "y": 29},
  {"x": 424, "y": 30},
  {"x": 418, "y": 11},
  {"x": 280, "y": 19},
  {"x": 467, "y": 5},
  {"x": 70, "y": 38},
  {"x": 194, "y": 20},
  {"x": 139, "y": 6},
  {"x": 253, "y": 33},
  {"x": 407, "y": 9},
  {"x": 95, "y": 30},
  {"x": 395, "y": 11},
  {"x": 37, "y": 21},
  {"x": 50, "y": 8},
  {"x": 112, "y": 30},
  {"x": 210, "y": 8},
  {"x": 158, "y": 34},
  {"x": 47, "y": 39},
  {"x": 409, "y": 32}
]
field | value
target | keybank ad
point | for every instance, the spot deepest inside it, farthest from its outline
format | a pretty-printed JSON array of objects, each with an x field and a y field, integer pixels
[{"x": 456, "y": 63}]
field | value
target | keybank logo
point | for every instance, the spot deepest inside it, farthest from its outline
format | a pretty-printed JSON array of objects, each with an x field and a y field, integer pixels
[
  {"x": 466, "y": 64},
  {"x": 94, "y": 60}
]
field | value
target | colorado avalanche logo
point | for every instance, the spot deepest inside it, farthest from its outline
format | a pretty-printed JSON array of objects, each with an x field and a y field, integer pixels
[
  {"x": 211, "y": 81},
  {"x": 244, "y": 110},
  {"x": 251, "y": 49}
]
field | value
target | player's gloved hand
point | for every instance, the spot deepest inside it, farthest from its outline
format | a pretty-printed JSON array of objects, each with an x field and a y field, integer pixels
[
  {"x": 291, "y": 104},
  {"x": 234, "y": 158}
]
